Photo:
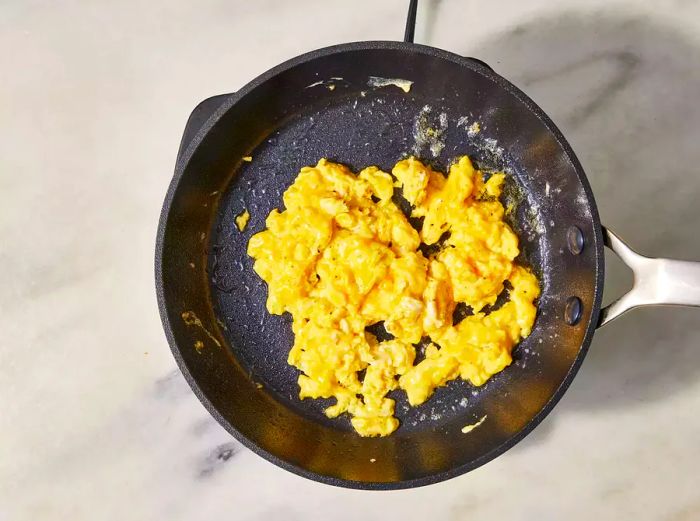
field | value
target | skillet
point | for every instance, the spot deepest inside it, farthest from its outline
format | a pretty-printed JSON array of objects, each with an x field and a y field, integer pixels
[{"x": 326, "y": 104}]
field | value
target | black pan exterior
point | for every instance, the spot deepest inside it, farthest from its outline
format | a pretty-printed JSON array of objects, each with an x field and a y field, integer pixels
[{"x": 240, "y": 372}]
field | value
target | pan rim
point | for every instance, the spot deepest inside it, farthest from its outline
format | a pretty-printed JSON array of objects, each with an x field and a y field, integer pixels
[{"x": 187, "y": 150}]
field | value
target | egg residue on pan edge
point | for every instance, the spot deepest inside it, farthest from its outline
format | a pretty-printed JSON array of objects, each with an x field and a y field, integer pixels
[
  {"x": 342, "y": 257},
  {"x": 468, "y": 428},
  {"x": 377, "y": 82}
]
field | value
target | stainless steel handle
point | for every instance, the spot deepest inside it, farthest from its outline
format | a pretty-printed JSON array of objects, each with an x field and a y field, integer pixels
[{"x": 656, "y": 281}]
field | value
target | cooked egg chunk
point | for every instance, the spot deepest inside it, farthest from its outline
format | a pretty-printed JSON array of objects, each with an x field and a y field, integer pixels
[{"x": 242, "y": 220}]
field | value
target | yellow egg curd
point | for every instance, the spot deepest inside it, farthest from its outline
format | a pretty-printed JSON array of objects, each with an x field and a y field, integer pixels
[
  {"x": 343, "y": 257},
  {"x": 242, "y": 220}
]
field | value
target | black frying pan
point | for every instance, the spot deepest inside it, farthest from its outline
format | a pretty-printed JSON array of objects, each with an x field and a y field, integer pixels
[{"x": 233, "y": 353}]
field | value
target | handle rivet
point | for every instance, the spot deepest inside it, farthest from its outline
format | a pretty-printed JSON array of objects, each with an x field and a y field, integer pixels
[
  {"x": 573, "y": 311},
  {"x": 574, "y": 239}
]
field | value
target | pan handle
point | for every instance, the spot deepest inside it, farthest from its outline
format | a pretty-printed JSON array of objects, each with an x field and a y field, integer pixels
[
  {"x": 656, "y": 281},
  {"x": 198, "y": 117},
  {"x": 411, "y": 21}
]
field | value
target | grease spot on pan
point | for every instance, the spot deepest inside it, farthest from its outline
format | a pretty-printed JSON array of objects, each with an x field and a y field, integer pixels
[{"x": 191, "y": 319}]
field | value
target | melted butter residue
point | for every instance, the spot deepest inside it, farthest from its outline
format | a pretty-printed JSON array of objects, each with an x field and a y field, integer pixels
[
  {"x": 191, "y": 319},
  {"x": 377, "y": 82}
]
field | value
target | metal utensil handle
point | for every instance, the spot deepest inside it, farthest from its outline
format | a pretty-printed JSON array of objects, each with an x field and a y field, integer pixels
[
  {"x": 411, "y": 21},
  {"x": 656, "y": 281}
]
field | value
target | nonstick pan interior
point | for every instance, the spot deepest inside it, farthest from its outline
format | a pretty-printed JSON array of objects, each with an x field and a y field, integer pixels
[{"x": 234, "y": 353}]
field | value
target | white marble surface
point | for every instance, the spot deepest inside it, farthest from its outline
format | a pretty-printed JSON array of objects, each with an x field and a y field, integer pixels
[{"x": 96, "y": 422}]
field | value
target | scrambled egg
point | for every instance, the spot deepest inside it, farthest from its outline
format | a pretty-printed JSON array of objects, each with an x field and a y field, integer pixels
[
  {"x": 242, "y": 220},
  {"x": 343, "y": 257}
]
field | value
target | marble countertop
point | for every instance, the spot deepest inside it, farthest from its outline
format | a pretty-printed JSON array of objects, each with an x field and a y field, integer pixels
[{"x": 96, "y": 421}]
